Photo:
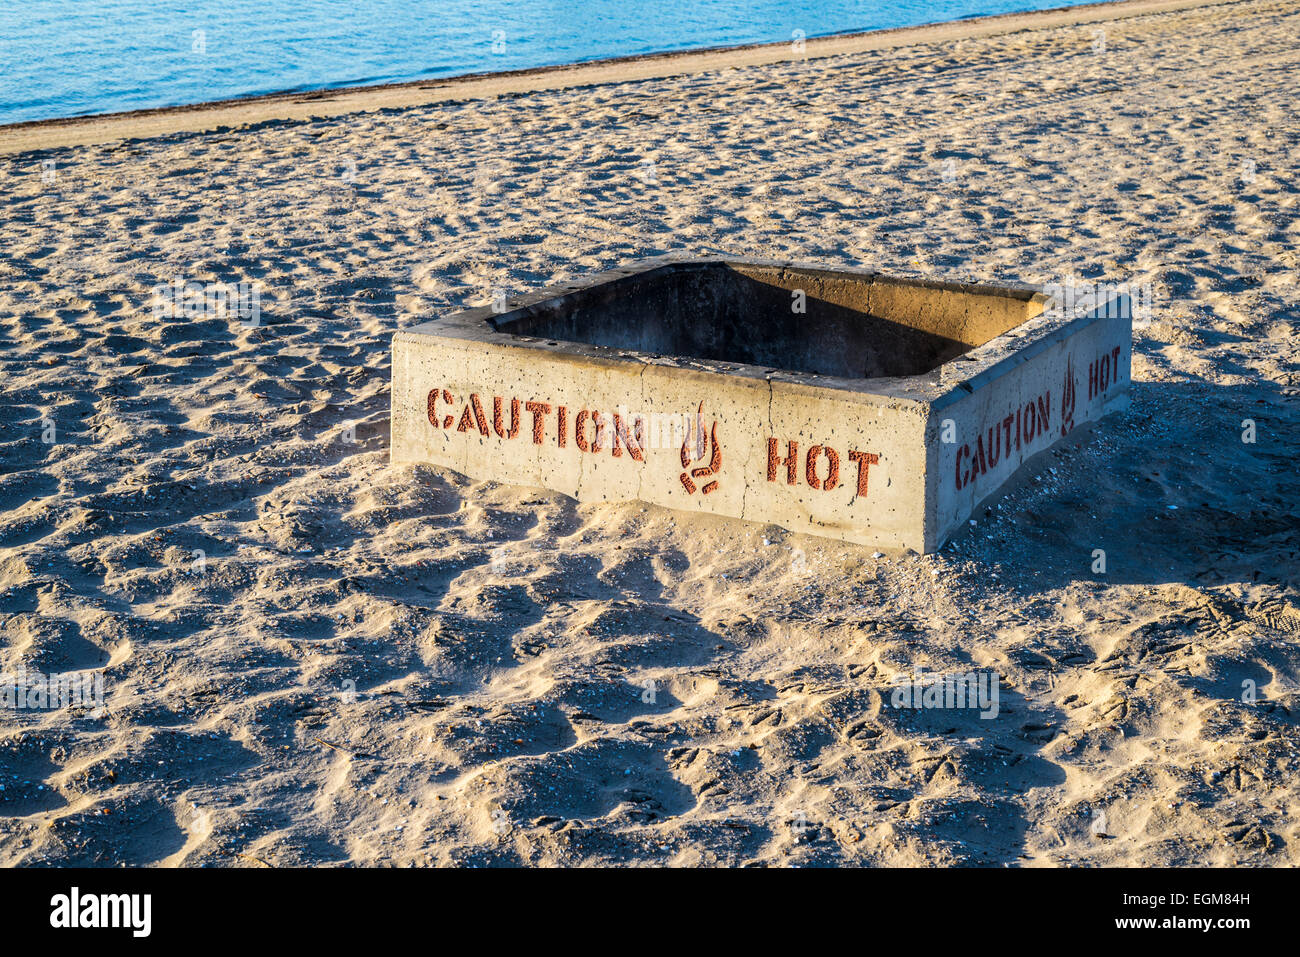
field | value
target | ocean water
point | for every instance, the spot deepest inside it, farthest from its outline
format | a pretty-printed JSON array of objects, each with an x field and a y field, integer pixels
[{"x": 73, "y": 57}]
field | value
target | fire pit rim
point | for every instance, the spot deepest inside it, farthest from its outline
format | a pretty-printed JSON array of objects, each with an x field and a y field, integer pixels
[{"x": 936, "y": 388}]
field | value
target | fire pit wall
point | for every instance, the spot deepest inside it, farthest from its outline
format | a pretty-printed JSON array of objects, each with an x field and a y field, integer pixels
[{"x": 842, "y": 403}]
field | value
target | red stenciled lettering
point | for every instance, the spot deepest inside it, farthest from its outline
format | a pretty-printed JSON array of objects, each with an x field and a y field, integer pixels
[
  {"x": 430, "y": 409},
  {"x": 833, "y": 472},
  {"x": 865, "y": 460},
  {"x": 580, "y": 431},
  {"x": 497, "y": 417},
  {"x": 962, "y": 479},
  {"x": 1103, "y": 372},
  {"x": 621, "y": 436},
  {"x": 1044, "y": 410},
  {"x": 539, "y": 411},
  {"x": 791, "y": 461},
  {"x": 479, "y": 418},
  {"x": 994, "y": 446},
  {"x": 594, "y": 432},
  {"x": 466, "y": 420},
  {"x": 810, "y": 468}
]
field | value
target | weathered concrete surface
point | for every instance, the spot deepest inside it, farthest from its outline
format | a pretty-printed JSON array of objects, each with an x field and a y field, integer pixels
[
  {"x": 1023, "y": 393},
  {"x": 841, "y": 403}
]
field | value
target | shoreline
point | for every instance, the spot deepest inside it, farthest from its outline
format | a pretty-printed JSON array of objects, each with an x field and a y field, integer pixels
[{"x": 63, "y": 132}]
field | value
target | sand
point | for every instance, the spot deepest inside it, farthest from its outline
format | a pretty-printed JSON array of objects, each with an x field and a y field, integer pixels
[{"x": 312, "y": 657}]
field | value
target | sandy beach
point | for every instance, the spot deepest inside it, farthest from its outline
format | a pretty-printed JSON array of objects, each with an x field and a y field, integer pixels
[{"x": 312, "y": 657}]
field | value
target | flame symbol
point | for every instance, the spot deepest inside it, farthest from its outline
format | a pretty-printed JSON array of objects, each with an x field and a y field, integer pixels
[
  {"x": 702, "y": 444},
  {"x": 1068, "y": 397}
]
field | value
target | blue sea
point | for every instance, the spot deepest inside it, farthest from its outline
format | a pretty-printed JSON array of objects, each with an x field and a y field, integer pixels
[{"x": 74, "y": 57}]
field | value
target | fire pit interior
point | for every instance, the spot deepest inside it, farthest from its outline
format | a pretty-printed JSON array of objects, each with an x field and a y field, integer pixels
[{"x": 842, "y": 324}]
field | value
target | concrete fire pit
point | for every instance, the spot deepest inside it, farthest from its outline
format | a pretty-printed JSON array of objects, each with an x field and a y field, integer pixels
[{"x": 840, "y": 403}]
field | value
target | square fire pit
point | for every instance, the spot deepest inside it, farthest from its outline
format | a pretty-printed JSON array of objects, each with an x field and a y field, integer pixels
[{"x": 836, "y": 402}]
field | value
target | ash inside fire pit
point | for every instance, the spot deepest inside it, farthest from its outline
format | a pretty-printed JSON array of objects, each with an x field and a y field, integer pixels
[{"x": 854, "y": 326}]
